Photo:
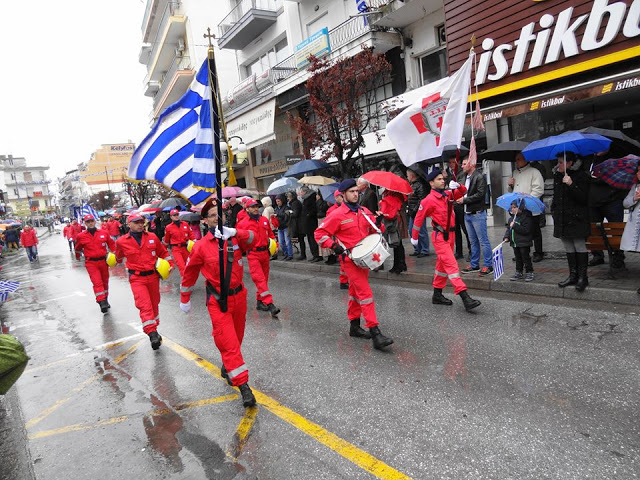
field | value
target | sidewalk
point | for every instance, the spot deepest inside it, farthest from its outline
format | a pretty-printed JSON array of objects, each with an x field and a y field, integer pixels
[{"x": 548, "y": 273}]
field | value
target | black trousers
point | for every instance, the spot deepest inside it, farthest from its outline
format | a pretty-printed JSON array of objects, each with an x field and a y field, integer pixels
[
  {"x": 613, "y": 212},
  {"x": 313, "y": 245},
  {"x": 523, "y": 259},
  {"x": 536, "y": 233},
  {"x": 398, "y": 256},
  {"x": 461, "y": 227}
]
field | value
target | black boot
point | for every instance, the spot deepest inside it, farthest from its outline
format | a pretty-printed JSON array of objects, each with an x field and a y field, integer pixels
[
  {"x": 469, "y": 303},
  {"x": 248, "y": 400},
  {"x": 224, "y": 374},
  {"x": 439, "y": 299},
  {"x": 273, "y": 309},
  {"x": 379, "y": 340},
  {"x": 582, "y": 260},
  {"x": 331, "y": 260},
  {"x": 572, "y": 279},
  {"x": 344, "y": 286},
  {"x": 156, "y": 340},
  {"x": 355, "y": 330},
  {"x": 261, "y": 306},
  {"x": 104, "y": 306}
]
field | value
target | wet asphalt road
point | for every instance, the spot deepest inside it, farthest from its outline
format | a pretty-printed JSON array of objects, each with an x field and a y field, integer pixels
[{"x": 521, "y": 389}]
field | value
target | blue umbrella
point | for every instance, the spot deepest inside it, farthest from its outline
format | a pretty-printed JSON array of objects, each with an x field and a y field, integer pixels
[
  {"x": 305, "y": 166},
  {"x": 327, "y": 192},
  {"x": 283, "y": 185},
  {"x": 531, "y": 203},
  {"x": 579, "y": 143},
  {"x": 101, "y": 214}
]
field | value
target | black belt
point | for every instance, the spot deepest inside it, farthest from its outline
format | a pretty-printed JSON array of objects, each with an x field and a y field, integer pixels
[
  {"x": 144, "y": 273},
  {"x": 474, "y": 213},
  {"x": 259, "y": 249},
  {"x": 178, "y": 245},
  {"x": 211, "y": 290},
  {"x": 97, "y": 259}
]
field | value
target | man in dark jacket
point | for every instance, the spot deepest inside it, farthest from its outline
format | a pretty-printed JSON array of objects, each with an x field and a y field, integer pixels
[
  {"x": 368, "y": 197},
  {"x": 419, "y": 191},
  {"x": 294, "y": 209},
  {"x": 308, "y": 224},
  {"x": 475, "y": 217},
  {"x": 234, "y": 209}
]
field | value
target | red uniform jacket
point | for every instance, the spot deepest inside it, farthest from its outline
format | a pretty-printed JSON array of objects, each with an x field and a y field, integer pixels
[
  {"x": 28, "y": 238},
  {"x": 332, "y": 208},
  {"x": 94, "y": 246},
  {"x": 204, "y": 256},
  {"x": 391, "y": 204},
  {"x": 260, "y": 228},
  {"x": 75, "y": 230},
  {"x": 113, "y": 226},
  {"x": 347, "y": 226},
  {"x": 174, "y": 235},
  {"x": 141, "y": 257},
  {"x": 66, "y": 232},
  {"x": 435, "y": 206}
]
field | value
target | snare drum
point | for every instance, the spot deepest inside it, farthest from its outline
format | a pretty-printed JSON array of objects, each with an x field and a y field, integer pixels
[{"x": 371, "y": 252}]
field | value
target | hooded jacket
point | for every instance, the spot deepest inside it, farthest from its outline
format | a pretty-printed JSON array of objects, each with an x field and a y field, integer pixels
[
  {"x": 268, "y": 210},
  {"x": 520, "y": 234}
]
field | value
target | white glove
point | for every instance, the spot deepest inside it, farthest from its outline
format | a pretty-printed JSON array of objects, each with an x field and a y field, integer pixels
[
  {"x": 414, "y": 242},
  {"x": 453, "y": 185},
  {"x": 185, "y": 307},
  {"x": 226, "y": 233}
]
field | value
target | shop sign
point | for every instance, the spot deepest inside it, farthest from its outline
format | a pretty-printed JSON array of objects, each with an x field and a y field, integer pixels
[
  {"x": 270, "y": 168},
  {"x": 549, "y": 102},
  {"x": 317, "y": 45},
  {"x": 243, "y": 92},
  {"x": 293, "y": 159},
  {"x": 256, "y": 126},
  {"x": 37, "y": 194}
]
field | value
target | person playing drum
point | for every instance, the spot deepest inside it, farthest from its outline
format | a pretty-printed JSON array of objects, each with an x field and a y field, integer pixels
[
  {"x": 341, "y": 231},
  {"x": 439, "y": 206}
]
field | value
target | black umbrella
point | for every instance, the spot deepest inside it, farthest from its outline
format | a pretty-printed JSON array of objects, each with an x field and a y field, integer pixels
[
  {"x": 448, "y": 153},
  {"x": 621, "y": 144},
  {"x": 191, "y": 217},
  {"x": 172, "y": 202},
  {"x": 504, "y": 152}
]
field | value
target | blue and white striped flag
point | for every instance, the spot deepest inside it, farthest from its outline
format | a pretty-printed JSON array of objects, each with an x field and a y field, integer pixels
[
  {"x": 7, "y": 287},
  {"x": 498, "y": 262},
  {"x": 178, "y": 152},
  {"x": 88, "y": 210}
]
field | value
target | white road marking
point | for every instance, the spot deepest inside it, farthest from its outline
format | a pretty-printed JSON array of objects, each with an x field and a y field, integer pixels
[{"x": 77, "y": 293}]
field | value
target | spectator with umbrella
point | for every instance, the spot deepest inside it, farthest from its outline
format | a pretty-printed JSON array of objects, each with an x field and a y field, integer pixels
[
  {"x": 283, "y": 227},
  {"x": 308, "y": 224},
  {"x": 367, "y": 195},
  {"x": 294, "y": 209},
  {"x": 631, "y": 236},
  {"x": 418, "y": 192}
]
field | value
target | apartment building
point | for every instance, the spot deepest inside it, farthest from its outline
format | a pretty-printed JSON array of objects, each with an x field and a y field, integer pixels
[{"x": 27, "y": 188}]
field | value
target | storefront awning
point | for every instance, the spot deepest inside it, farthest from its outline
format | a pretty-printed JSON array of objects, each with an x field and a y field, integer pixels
[{"x": 256, "y": 126}]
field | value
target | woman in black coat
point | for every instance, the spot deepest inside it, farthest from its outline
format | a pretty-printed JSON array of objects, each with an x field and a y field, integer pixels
[
  {"x": 308, "y": 224},
  {"x": 294, "y": 209},
  {"x": 570, "y": 211}
]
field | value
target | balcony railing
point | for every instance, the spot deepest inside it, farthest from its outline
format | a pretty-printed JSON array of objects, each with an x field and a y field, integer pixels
[
  {"x": 170, "y": 10},
  {"x": 179, "y": 63},
  {"x": 244, "y": 7},
  {"x": 376, "y": 4}
]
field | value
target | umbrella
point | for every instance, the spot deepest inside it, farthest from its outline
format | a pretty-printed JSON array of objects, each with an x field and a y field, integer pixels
[
  {"x": 327, "y": 192},
  {"x": 504, "y": 152},
  {"x": 305, "y": 166},
  {"x": 228, "y": 192},
  {"x": 531, "y": 203},
  {"x": 448, "y": 153},
  {"x": 388, "y": 180},
  {"x": 101, "y": 214},
  {"x": 582, "y": 144},
  {"x": 190, "y": 217},
  {"x": 621, "y": 144},
  {"x": 317, "y": 180},
  {"x": 172, "y": 202},
  {"x": 283, "y": 185},
  {"x": 618, "y": 172}
]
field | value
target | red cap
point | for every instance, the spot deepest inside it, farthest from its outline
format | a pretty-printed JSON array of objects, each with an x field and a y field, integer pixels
[
  {"x": 88, "y": 217},
  {"x": 211, "y": 203},
  {"x": 136, "y": 217},
  {"x": 252, "y": 202},
  {"x": 174, "y": 212}
]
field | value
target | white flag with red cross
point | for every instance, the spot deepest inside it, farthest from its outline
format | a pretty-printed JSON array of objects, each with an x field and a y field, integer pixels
[{"x": 435, "y": 120}]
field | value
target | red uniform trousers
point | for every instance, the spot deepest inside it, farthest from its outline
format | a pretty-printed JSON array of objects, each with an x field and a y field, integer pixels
[
  {"x": 259, "y": 270},
  {"x": 180, "y": 255},
  {"x": 446, "y": 264},
  {"x": 343, "y": 275},
  {"x": 228, "y": 332},
  {"x": 360, "y": 294},
  {"x": 99, "y": 274},
  {"x": 146, "y": 294}
]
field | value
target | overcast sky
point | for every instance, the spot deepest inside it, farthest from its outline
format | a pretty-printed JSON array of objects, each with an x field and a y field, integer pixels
[{"x": 70, "y": 79}]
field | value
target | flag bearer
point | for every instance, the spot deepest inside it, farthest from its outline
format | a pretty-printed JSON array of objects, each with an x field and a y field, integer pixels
[
  {"x": 228, "y": 326},
  {"x": 93, "y": 243},
  {"x": 176, "y": 235},
  {"x": 439, "y": 206},
  {"x": 142, "y": 250},
  {"x": 258, "y": 256}
]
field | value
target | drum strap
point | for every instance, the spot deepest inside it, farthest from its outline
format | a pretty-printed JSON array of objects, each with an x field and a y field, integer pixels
[{"x": 372, "y": 224}]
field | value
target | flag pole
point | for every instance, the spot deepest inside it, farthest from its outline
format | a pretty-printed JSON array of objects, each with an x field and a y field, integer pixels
[{"x": 216, "y": 120}]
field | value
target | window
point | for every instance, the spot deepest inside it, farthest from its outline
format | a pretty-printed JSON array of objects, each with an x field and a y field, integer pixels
[
  {"x": 28, "y": 177},
  {"x": 433, "y": 66},
  {"x": 270, "y": 58},
  {"x": 13, "y": 176},
  {"x": 318, "y": 24},
  {"x": 15, "y": 192}
]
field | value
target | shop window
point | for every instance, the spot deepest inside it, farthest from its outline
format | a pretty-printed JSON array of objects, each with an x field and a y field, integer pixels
[{"x": 433, "y": 66}]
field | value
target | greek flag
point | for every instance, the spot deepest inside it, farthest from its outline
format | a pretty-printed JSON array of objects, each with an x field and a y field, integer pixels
[
  {"x": 178, "y": 152},
  {"x": 498, "y": 262},
  {"x": 7, "y": 287},
  {"x": 87, "y": 210}
]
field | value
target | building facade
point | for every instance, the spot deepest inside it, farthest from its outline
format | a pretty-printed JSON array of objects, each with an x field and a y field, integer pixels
[
  {"x": 107, "y": 167},
  {"x": 27, "y": 191},
  {"x": 72, "y": 190}
]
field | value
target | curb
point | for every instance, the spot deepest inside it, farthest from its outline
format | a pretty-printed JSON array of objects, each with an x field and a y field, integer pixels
[{"x": 591, "y": 294}]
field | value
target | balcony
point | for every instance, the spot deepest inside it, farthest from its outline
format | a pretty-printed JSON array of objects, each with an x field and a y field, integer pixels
[
  {"x": 400, "y": 13},
  {"x": 246, "y": 22},
  {"x": 174, "y": 84}
]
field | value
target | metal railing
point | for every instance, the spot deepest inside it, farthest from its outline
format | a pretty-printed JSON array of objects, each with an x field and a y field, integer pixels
[
  {"x": 171, "y": 9},
  {"x": 244, "y": 7},
  {"x": 376, "y": 4},
  {"x": 179, "y": 63}
]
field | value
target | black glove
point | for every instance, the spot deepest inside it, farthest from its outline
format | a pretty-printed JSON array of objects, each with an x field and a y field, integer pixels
[
  {"x": 336, "y": 247},
  {"x": 379, "y": 220}
]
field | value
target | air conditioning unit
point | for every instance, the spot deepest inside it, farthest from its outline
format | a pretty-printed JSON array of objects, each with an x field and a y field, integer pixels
[{"x": 180, "y": 47}]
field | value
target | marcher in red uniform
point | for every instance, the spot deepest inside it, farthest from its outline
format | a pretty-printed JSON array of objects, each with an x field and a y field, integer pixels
[
  {"x": 438, "y": 205},
  {"x": 29, "y": 240},
  {"x": 258, "y": 257},
  {"x": 113, "y": 226},
  {"x": 142, "y": 249},
  {"x": 228, "y": 327},
  {"x": 342, "y": 230},
  {"x": 176, "y": 236},
  {"x": 344, "y": 280},
  {"x": 93, "y": 243},
  {"x": 76, "y": 228},
  {"x": 68, "y": 234}
]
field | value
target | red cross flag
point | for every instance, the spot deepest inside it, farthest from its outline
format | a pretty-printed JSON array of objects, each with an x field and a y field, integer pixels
[{"x": 435, "y": 120}]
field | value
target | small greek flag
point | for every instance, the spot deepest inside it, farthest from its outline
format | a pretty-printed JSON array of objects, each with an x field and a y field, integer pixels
[
  {"x": 87, "y": 210},
  {"x": 498, "y": 262},
  {"x": 7, "y": 287}
]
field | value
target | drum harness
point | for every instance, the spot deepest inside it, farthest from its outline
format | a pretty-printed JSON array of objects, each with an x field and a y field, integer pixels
[
  {"x": 347, "y": 251},
  {"x": 438, "y": 228}
]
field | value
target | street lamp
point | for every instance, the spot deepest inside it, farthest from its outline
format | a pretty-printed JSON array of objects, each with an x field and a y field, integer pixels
[{"x": 242, "y": 147}]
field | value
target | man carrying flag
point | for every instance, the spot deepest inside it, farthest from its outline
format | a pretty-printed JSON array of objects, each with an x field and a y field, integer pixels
[
  {"x": 93, "y": 243},
  {"x": 439, "y": 206},
  {"x": 176, "y": 236}
]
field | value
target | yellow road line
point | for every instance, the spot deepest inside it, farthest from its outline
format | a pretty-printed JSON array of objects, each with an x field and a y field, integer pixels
[
  {"x": 77, "y": 427},
  {"x": 242, "y": 432},
  {"x": 347, "y": 450},
  {"x": 47, "y": 365},
  {"x": 45, "y": 413},
  {"x": 198, "y": 403}
]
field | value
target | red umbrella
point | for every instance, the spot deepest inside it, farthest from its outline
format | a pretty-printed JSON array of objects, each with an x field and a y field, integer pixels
[{"x": 389, "y": 181}]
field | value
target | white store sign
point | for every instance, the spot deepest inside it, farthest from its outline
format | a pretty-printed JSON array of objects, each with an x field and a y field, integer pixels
[{"x": 255, "y": 127}]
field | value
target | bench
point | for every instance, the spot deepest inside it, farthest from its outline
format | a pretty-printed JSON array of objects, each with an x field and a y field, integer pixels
[{"x": 606, "y": 236}]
